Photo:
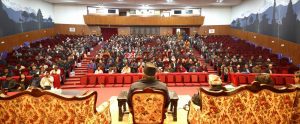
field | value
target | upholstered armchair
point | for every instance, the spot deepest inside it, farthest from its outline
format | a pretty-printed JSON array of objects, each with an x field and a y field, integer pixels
[
  {"x": 261, "y": 105},
  {"x": 148, "y": 106},
  {"x": 37, "y": 106}
]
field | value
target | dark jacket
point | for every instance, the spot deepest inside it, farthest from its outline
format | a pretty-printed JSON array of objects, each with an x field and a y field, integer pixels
[
  {"x": 196, "y": 97},
  {"x": 148, "y": 83}
]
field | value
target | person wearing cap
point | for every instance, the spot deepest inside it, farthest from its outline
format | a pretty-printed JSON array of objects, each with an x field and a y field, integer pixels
[
  {"x": 148, "y": 81},
  {"x": 47, "y": 81}
]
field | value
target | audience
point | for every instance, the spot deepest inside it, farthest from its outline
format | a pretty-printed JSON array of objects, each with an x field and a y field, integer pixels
[
  {"x": 99, "y": 70},
  {"x": 10, "y": 84},
  {"x": 22, "y": 83},
  {"x": 35, "y": 81},
  {"x": 263, "y": 78}
]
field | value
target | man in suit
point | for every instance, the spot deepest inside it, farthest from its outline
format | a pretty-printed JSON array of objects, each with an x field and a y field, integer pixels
[
  {"x": 148, "y": 81},
  {"x": 246, "y": 69},
  {"x": 270, "y": 69}
]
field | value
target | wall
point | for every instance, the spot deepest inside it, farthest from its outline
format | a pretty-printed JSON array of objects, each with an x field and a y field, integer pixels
[
  {"x": 8, "y": 42},
  {"x": 216, "y": 15},
  {"x": 18, "y": 16},
  {"x": 277, "y": 18},
  {"x": 69, "y": 14}
]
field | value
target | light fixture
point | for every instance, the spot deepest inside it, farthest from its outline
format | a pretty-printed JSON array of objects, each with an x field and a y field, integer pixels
[
  {"x": 219, "y": 1},
  {"x": 2, "y": 42}
]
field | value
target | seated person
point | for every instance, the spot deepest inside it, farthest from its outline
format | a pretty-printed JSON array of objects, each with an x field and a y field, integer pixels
[
  {"x": 10, "y": 84},
  {"x": 215, "y": 83},
  {"x": 22, "y": 83},
  {"x": 34, "y": 71},
  {"x": 126, "y": 69},
  {"x": 55, "y": 70},
  {"x": 262, "y": 78},
  {"x": 5, "y": 72},
  {"x": 99, "y": 71},
  {"x": 35, "y": 81},
  {"x": 148, "y": 81},
  {"x": 47, "y": 81}
]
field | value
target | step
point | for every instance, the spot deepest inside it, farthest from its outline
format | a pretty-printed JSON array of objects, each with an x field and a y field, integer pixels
[
  {"x": 80, "y": 68},
  {"x": 80, "y": 74},
  {"x": 72, "y": 86},
  {"x": 77, "y": 76},
  {"x": 81, "y": 71},
  {"x": 72, "y": 83},
  {"x": 73, "y": 79}
]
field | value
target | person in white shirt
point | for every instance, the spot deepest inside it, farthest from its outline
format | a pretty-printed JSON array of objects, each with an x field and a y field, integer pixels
[
  {"x": 47, "y": 81},
  {"x": 99, "y": 71},
  {"x": 126, "y": 69},
  {"x": 55, "y": 70}
]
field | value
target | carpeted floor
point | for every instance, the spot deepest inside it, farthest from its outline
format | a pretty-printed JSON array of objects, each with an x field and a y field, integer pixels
[{"x": 111, "y": 93}]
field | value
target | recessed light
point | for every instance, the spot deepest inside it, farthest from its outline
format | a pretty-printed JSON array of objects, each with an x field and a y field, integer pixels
[
  {"x": 219, "y": 1},
  {"x": 2, "y": 42},
  {"x": 282, "y": 45}
]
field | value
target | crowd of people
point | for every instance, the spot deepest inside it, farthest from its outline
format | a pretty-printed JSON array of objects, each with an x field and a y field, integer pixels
[
  {"x": 47, "y": 57},
  {"x": 128, "y": 54}
]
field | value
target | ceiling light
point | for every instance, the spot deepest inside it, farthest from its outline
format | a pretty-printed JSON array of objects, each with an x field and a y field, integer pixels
[
  {"x": 219, "y": 1},
  {"x": 169, "y": 1}
]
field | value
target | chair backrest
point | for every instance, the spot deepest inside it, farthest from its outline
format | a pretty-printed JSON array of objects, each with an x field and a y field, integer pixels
[
  {"x": 248, "y": 104},
  {"x": 37, "y": 106},
  {"x": 148, "y": 106}
]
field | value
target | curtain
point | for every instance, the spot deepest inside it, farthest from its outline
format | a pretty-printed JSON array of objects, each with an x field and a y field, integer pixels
[{"x": 108, "y": 32}]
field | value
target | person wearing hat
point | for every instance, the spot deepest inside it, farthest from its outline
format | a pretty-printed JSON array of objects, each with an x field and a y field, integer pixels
[{"x": 148, "y": 81}]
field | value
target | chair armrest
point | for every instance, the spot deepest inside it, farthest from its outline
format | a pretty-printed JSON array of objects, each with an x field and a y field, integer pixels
[
  {"x": 102, "y": 116},
  {"x": 194, "y": 113}
]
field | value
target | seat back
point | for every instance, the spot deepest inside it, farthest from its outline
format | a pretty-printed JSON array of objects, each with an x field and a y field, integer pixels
[
  {"x": 246, "y": 104},
  {"x": 37, "y": 106},
  {"x": 148, "y": 106}
]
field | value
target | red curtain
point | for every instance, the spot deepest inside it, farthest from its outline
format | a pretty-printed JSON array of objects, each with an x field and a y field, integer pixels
[{"x": 108, "y": 32}]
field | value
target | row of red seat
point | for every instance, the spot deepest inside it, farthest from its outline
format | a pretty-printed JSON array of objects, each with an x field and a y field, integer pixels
[
  {"x": 56, "y": 78},
  {"x": 171, "y": 79},
  {"x": 278, "y": 79}
]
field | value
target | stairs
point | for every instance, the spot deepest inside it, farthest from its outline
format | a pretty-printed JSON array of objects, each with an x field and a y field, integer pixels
[
  {"x": 209, "y": 68},
  {"x": 74, "y": 82}
]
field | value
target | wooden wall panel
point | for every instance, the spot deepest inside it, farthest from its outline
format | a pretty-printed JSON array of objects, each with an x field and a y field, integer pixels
[
  {"x": 18, "y": 39},
  {"x": 79, "y": 29},
  {"x": 143, "y": 21},
  {"x": 277, "y": 45},
  {"x": 219, "y": 29}
]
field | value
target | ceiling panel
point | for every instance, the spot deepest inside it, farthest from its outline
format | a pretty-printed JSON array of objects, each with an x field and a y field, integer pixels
[{"x": 155, "y": 4}]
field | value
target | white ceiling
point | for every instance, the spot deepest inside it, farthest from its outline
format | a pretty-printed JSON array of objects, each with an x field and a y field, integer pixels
[{"x": 154, "y": 4}]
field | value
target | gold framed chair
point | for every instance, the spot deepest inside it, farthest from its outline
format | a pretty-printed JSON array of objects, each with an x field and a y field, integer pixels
[{"x": 148, "y": 106}]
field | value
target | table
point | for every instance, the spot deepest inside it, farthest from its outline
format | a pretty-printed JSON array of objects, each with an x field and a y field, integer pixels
[{"x": 122, "y": 100}]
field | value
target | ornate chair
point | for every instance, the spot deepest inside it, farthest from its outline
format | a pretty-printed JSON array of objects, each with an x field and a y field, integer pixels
[
  {"x": 38, "y": 106},
  {"x": 247, "y": 104},
  {"x": 148, "y": 106}
]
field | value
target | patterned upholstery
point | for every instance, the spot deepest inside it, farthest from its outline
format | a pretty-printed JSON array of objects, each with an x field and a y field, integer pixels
[
  {"x": 51, "y": 109},
  {"x": 296, "y": 116},
  {"x": 245, "y": 106},
  {"x": 148, "y": 108}
]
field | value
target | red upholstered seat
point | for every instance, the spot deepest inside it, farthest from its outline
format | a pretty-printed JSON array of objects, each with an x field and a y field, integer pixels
[
  {"x": 101, "y": 79},
  {"x": 170, "y": 78},
  {"x": 178, "y": 78},
  {"x": 110, "y": 80},
  {"x": 162, "y": 77},
  {"x": 194, "y": 78},
  {"x": 251, "y": 78},
  {"x": 136, "y": 78},
  {"x": 242, "y": 79},
  {"x": 92, "y": 79},
  {"x": 289, "y": 80},
  {"x": 202, "y": 78},
  {"x": 83, "y": 80},
  {"x": 279, "y": 80},
  {"x": 119, "y": 81},
  {"x": 127, "y": 80},
  {"x": 90, "y": 71},
  {"x": 186, "y": 78}
]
